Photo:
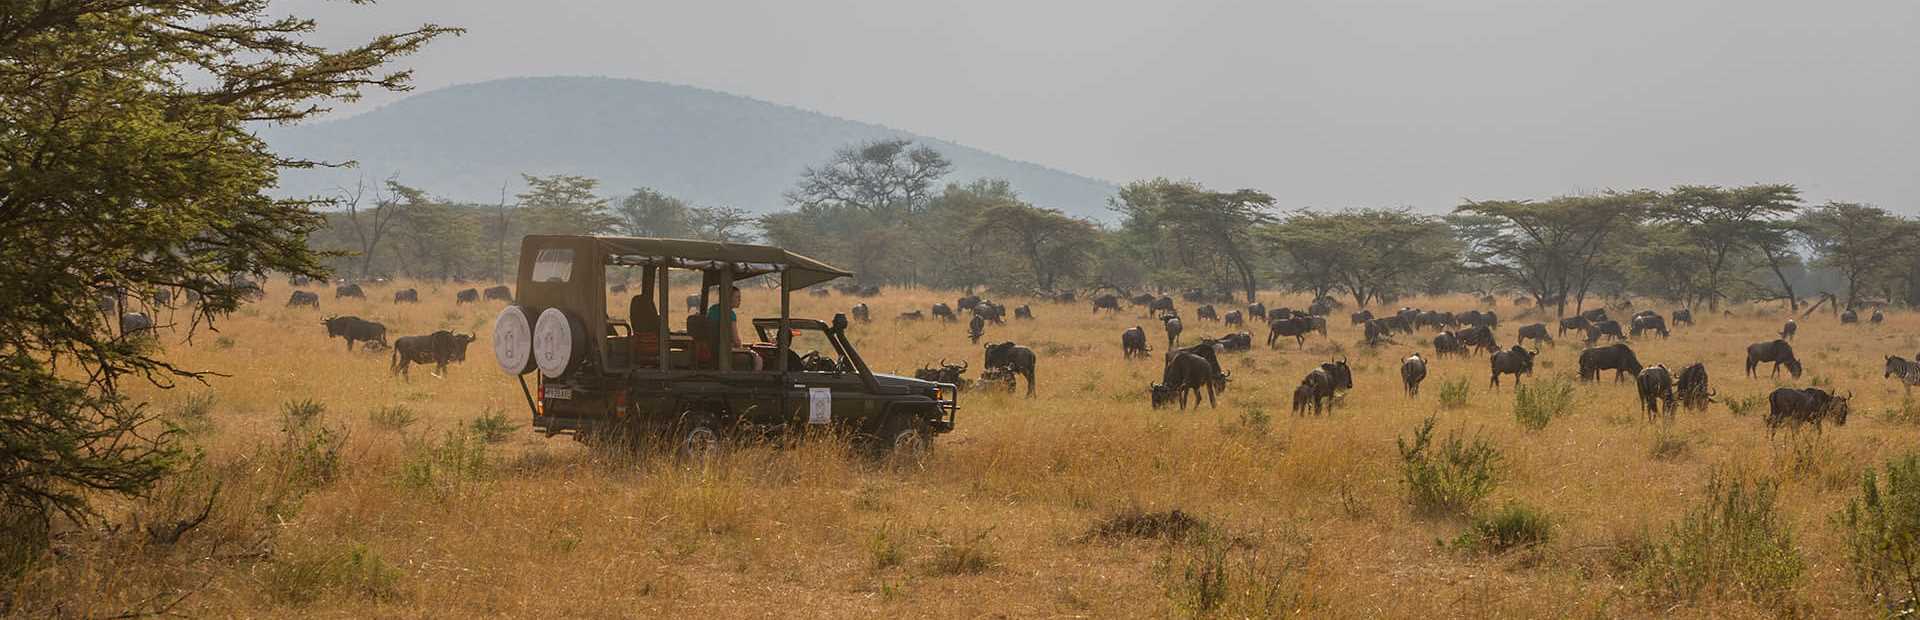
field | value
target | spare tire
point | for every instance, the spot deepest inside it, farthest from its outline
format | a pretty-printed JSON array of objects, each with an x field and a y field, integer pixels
[
  {"x": 559, "y": 342},
  {"x": 513, "y": 341}
]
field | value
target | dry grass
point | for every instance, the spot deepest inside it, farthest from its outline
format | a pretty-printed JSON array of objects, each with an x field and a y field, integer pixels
[{"x": 422, "y": 515}]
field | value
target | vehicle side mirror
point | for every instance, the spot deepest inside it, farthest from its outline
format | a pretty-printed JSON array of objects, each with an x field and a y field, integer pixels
[{"x": 839, "y": 321}]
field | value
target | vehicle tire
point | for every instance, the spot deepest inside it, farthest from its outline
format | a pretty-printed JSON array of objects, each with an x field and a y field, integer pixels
[
  {"x": 696, "y": 437},
  {"x": 904, "y": 438}
]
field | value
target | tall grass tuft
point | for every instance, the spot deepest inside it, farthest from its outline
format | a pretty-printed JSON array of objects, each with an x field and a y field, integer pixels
[
  {"x": 494, "y": 426},
  {"x": 969, "y": 553},
  {"x": 1456, "y": 394},
  {"x": 1734, "y": 542},
  {"x": 351, "y": 570},
  {"x": 1882, "y": 531},
  {"x": 1513, "y": 525},
  {"x": 1450, "y": 478},
  {"x": 1214, "y": 575},
  {"x": 447, "y": 465},
  {"x": 1536, "y": 405}
]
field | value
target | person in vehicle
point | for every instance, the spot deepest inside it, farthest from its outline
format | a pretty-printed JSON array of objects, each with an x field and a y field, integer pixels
[{"x": 733, "y": 335}]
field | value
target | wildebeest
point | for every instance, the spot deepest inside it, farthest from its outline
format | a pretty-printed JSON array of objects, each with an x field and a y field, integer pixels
[
  {"x": 473, "y": 295},
  {"x": 406, "y": 295},
  {"x": 871, "y": 290},
  {"x": 1876, "y": 319},
  {"x": 862, "y": 313},
  {"x": 1608, "y": 328},
  {"x": 1683, "y": 316},
  {"x": 1206, "y": 313},
  {"x": 304, "y": 298},
  {"x": 945, "y": 373},
  {"x": 1787, "y": 331},
  {"x": 967, "y": 303},
  {"x": 1376, "y": 331},
  {"x": 1237, "y": 341},
  {"x": 1536, "y": 332},
  {"x": 1186, "y": 372},
  {"x": 1648, "y": 322},
  {"x": 1776, "y": 351},
  {"x": 349, "y": 290},
  {"x": 1012, "y": 358},
  {"x": 299, "y": 280},
  {"x": 1233, "y": 318},
  {"x": 995, "y": 313},
  {"x": 1656, "y": 387},
  {"x": 815, "y": 291},
  {"x": 1134, "y": 342},
  {"x": 1692, "y": 387},
  {"x": 1515, "y": 361},
  {"x": 1801, "y": 406},
  {"x": 1413, "y": 370},
  {"x": 1023, "y": 313},
  {"x": 1577, "y": 323},
  {"x": 1173, "y": 327},
  {"x": 1163, "y": 304},
  {"x": 1595, "y": 315},
  {"x": 1319, "y": 386},
  {"x": 1322, "y": 306},
  {"x": 354, "y": 329},
  {"x": 1257, "y": 311},
  {"x": 1106, "y": 302},
  {"x": 1907, "y": 370},
  {"x": 439, "y": 348},
  {"x": 1484, "y": 319},
  {"x": 1143, "y": 300},
  {"x": 135, "y": 322},
  {"x": 1478, "y": 338},
  {"x": 976, "y": 328},
  {"x": 1616, "y": 357},
  {"x": 943, "y": 312},
  {"x": 505, "y": 294},
  {"x": 1295, "y": 326},
  {"x": 912, "y": 316},
  {"x": 1447, "y": 343},
  {"x": 1400, "y": 324},
  {"x": 1849, "y": 316},
  {"x": 1523, "y": 301},
  {"x": 1361, "y": 317}
]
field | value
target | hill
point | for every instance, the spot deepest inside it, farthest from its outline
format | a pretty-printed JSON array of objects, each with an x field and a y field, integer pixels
[{"x": 709, "y": 147}]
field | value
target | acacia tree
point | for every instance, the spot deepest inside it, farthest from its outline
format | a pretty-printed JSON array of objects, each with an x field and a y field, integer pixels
[
  {"x": 372, "y": 228},
  {"x": 1722, "y": 222},
  {"x": 1370, "y": 253},
  {"x": 859, "y": 208},
  {"x": 1554, "y": 249},
  {"x": 1050, "y": 243},
  {"x": 117, "y": 174},
  {"x": 649, "y": 213},
  {"x": 1866, "y": 245},
  {"x": 564, "y": 204},
  {"x": 1207, "y": 233}
]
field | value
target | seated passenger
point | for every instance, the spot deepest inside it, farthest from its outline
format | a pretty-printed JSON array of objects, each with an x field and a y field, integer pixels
[{"x": 733, "y": 336}]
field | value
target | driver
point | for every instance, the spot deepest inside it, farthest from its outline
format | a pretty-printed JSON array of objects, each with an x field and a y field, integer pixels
[{"x": 733, "y": 335}]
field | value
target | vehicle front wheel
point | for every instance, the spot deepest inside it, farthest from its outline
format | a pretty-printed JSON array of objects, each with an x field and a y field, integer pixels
[
  {"x": 905, "y": 437},
  {"x": 696, "y": 437}
]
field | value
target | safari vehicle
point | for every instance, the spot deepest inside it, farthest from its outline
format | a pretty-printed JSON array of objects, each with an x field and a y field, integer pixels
[{"x": 646, "y": 372}]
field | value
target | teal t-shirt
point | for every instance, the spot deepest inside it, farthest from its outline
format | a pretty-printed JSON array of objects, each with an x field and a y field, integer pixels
[{"x": 713, "y": 314}]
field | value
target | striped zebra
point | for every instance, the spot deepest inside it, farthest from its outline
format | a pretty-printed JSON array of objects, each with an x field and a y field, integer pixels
[{"x": 1907, "y": 370}]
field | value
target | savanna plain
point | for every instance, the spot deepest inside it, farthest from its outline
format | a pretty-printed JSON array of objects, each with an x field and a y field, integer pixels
[{"x": 332, "y": 487}]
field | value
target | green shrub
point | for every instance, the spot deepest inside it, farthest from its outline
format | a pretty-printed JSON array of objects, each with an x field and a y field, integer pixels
[
  {"x": 1456, "y": 394},
  {"x": 1743, "y": 406},
  {"x": 1538, "y": 404},
  {"x": 883, "y": 548},
  {"x": 1255, "y": 419},
  {"x": 303, "y": 577},
  {"x": 1451, "y": 479},
  {"x": 1882, "y": 530},
  {"x": 224, "y": 342},
  {"x": 299, "y": 414},
  {"x": 970, "y": 553},
  {"x": 1668, "y": 447},
  {"x": 309, "y": 452},
  {"x": 447, "y": 465},
  {"x": 393, "y": 417},
  {"x": 1513, "y": 525},
  {"x": 194, "y": 414},
  {"x": 1735, "y": 542},
  {"x": 1214, "y": 575},
  {"x": 494, "y": 426}
]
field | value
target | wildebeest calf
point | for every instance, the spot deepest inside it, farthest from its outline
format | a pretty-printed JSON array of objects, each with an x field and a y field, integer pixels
[
  {"x": 1133, "y": 342},
  {"x": 976, "y": 328},
  {"x": 439, "y": 348},
  {"x": 1319, "y": 386},
  {"x": 1787, "y": 331},
  {"x": 1173, "y": 327},
  {"x": 1656, "y": 387},
  {"x": 944, "y": 313},
  {"x": 1805, "y": 405}
]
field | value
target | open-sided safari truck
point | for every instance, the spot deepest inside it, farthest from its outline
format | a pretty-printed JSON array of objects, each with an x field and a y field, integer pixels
[{"x": 648, "y": 371}]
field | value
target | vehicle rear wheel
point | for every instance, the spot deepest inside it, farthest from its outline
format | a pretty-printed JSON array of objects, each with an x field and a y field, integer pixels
[
  {"x": 905, "y": 438},
  {"x": 696, "y": 437}
]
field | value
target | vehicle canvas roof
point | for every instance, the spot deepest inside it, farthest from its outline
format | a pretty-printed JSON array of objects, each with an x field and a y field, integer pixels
[{"x": 748, "y": 260}]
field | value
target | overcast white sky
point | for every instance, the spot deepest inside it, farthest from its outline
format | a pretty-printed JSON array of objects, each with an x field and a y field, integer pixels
[{"x": 1323, "y": 103}]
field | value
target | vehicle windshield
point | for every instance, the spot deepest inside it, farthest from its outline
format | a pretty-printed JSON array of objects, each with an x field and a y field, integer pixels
[{"x": 814, "y": 351}]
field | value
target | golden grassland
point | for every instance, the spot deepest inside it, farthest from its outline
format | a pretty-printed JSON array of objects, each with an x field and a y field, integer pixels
[{"x": 1304, "y": 515}]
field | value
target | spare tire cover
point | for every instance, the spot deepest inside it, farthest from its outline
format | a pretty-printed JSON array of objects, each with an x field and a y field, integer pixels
[
  {"x": 513, "y": 341},
  {"x": 559, "y": 342}
]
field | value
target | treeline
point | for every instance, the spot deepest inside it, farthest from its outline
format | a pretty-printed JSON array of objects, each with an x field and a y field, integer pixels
[{"x": 885, "y": 210}]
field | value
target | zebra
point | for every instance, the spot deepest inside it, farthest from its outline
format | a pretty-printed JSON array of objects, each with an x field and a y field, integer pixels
[{"x": 1908, "y": 370}]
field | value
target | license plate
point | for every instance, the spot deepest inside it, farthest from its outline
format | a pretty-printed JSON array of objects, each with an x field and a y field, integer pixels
[{"x": 560, "y": 393}]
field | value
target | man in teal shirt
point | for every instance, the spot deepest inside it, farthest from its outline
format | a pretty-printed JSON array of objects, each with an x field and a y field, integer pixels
[{"x": 713, "y": 316}]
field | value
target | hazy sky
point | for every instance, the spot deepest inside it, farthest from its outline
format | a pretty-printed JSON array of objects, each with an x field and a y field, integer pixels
[{"x": 1324, "y": 103}]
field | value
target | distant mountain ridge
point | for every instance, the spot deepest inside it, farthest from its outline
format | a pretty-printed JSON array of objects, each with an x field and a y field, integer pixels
[{"x": 708, "y": 147}]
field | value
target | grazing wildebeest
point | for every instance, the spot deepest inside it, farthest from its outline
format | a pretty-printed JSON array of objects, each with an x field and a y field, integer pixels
[
  {"x": 355, "y": 329},
  {"x": 1609, "y": 328},
  {"x": 472, "y": 295},
  {"x": 1206, "y": 313},
  {"x": 1648, "y": 322},
  {"x": 1173, "y": 327},
  {"x": 1876, "y": 319},
  {"x": 1377, "y": 332},
  {"x": 1413, "y": 370},
  {"x": 1683, "y": 316},
  {"x": 1318, "y": 324},
  {"x": 304, "y": 298},
  {"x": 1186, "y": 372},
  {"x": 1142, "y": 300},
  {"x": 1023, "y": 312},
  {"x": 1907, "y": 370},
  {"x": 438, "y": 348},
  {"x": 1399, "y": 324},
  {"x": 1536, "y": 332},
  {"x": 1776, "y": 351},
  {"x": 1296, "y": 326},
  {"x": 1322, "y": 306},
  {"x": 299, "y": 280},
  {"x": 1257, "y": 311},
  {"x": 1692, "y": 387},
  {"x": 990, "y": 311},
  {"x": 1616, "y": 357},
  {"x": 944, "y": 313},
  {"x": 967, "y": 303},
  {"x": 1447, "y": 343},
  {"x": 1515, "y": 361},
  {"x": 1805, "y": 405},
  {"x": 1787, "y": 331},
  {"x": 1480, "y": 319},
  {"x": 976, "y": 328},
  {"x": 503, "y": 293},
  {"x": 861, "y": 313},
  {"x": 1656, "y": 387},
  {"x": 1578, "y": 323},
  {"x": 1013, "y": 358},
  {"x": 1134, "y": 342},
  {"x": 406, "y": 295},
  {"x": 1237, "y": 341},
  {"x": 350, "y": 290},
  {"x": 911, "y": 316},
  {"x": 946, "y": 373},
  {"x": 1106, "y": 302},
  {"x": 1361, "y": 317},
  {"x": 1478, "y": 338},
  {"x": 1162, "y": 305},
  {"x": 1234, "y": 318},
  {"x": 1595, "y": 315},
  {"x": 1319, "y": 386},
  {"x": 135, "y": 322},
  {"x": 1849, "y": 316}
]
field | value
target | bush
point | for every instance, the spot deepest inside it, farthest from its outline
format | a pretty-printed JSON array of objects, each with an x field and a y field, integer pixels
[
  {"x": 1735, "y": 542},
  {"x": 1216, "y": 575},
  {"x": 494, "y": 426},
  {"x": 1255, "y": 419},
  {"x": 1882, "y": 530},
  {"x": 1450, "y": 480},
  {"x": 355, "y": 570},
  {"x": 968, "y": 554},
  {"x": 393, "y": 417},
  {"x": 1668, "y": 447},
  {"x": 300, "y": 414},
  {"x": 1514, "y": 525},
  {"x": 447, "y": 465},
  {"x": 194, "y": 414},
  {"x": 1135, "y": 522},
  {"x": 884, "y": 550},
  {"x": 309, "y": 451},
  {"x": 1742, "y": 407},
  {"x": 1456, "y": 394},
  {"x": 1537, "y": 404}
]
